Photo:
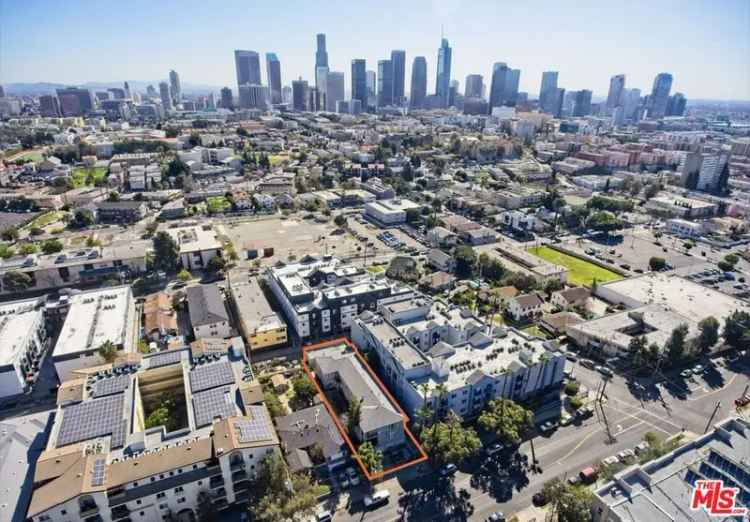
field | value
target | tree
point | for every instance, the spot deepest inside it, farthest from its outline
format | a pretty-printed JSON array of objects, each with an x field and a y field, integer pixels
[
  {"x": 492, "y": 269},
  {"x": 449, "y": 442},
  {"x": 637, "y": 347},
  {"x": 709, "y": 336},
  {"x": 371, "y": 457},
  {"x": 403, "y": 268},
  {"x": 15, "y": 281},
  {"x": 675, "y": 346},
  {"x": 206, "y": 509},
  {"x": 508, "y": 419},
  {"x": 275, "y": 407},
  {"x": 166, "y": 252},
  {"x": 353, "y": 415},
  {"x": 107, "y": 351},
  {"x": 729, "y": 262},
  {"x": 652, "y": 189},
  {"x": 340, "y": 220},
  {"x": 82, "y": 218},
  {"x": 113, "y": 196},
  {"x": 9, "y": 234},
  {"x": 570, "y": 503},
  {"x": 304, "y": 389},
  {"x": 216, "y": 265},
  {"x": 736, "y": 331},
  {"x": 281, "y": 496},
  {"x": 52, "y": 246},
  {"x": 28, "y": 248},
  {"x": 177, "y": 167},
  {"x": 605, "y": 221},
  {"x": 656, "y": 264},
  {"x": 465, "y": 259},
  {"x": 184, "y": 275}
]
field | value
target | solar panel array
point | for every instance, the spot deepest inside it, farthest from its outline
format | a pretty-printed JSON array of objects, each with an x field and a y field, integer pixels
[
  {"x": 91, "y": 419},
  {"x": 110, "y": 385},
  {"x": 207, "y": 376},
  {"x": 97, "y": 478},
  {"x": 164, "y": 359},
  {"x": 257, "y": 428},
  {"x": 210, "y": 404}
]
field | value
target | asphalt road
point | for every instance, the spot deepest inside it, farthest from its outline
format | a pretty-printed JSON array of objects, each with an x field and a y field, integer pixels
[{"x": 666, "y": 406}]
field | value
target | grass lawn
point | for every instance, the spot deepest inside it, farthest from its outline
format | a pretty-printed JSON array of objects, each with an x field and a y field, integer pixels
[
  {"x": 217, "y": 204},
  {"x": 376, "y": 269},
  {"x": 535, "y": 330},
  {"x": 46, "y": 219},
  {"x": 580, "y": 272},
  {"x": 84, "y": 176}
]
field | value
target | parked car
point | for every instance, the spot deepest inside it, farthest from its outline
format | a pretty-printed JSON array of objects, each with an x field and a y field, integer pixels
[
  {"x": 626, "y": 455},
  {"x": 641, "y": 448},
  {"x": 353, "y": 477},
  {"x": 497, "y": 516},
  {"x": 587, "y": 363},
  {"x": 495, "y": 447},
  {"x": 324, "y": 516},
  {"x": 612, "y": 459},
  {"x": 685, "y": 374},
  {"x": 587, "y": 475},
  {"x": 448, "y": 470},
  {"x": 377, "y": 498},
  {"x": 548, "y": 426}
]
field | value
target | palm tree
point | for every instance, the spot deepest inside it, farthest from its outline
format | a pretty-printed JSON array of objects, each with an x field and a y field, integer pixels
[
  {"x": 108, "y": 351},
  {"x": 441, "y": 392}
]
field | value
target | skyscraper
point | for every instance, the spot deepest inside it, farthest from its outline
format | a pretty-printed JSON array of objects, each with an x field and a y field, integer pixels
[
  {"x": 473, "y": 87},
  {"x": 418, "y": 83},
  {"x": 497, "y": 87},
  {"x": 49, "y": 107},
  {"x": 582, "y": 106},
  {"x": 385, "y": 83},
  {"x": 247, "y": 65},
  {"x": 273, "y": 74},
  {"x": 510, "y": 93},
  {"x": 443, "y": 82},
  {"x": 616, "y": 95},
  {"x": 660, "y": 95},
  {"x": 166, "y": 96},
  {"x": 128, "y": 94},
  {"x": 253, "y": 96},
  {"x": 75, "y": 101},
  {"x": 548, "y": 92},
  {"x": 359, "y": 81},
  {"x": 557, "y": 101},
  {"x": 321, "y": 55},
  {"x": 150, "y": 91},
  {"x": 174, "y": 87},
  {"x": 631, "y": 103},
  {"x": 372, "y": 89},
  {"x": 398, "y": 63},
  {"x": 299, "y": 95},
  {"x": 676, "y": 105},
  {"x": 334, "y": 90},
  {"x": 226, "y": 98}
]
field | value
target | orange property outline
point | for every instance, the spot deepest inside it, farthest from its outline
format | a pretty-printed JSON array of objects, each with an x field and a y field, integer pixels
[{"x": 380, "y": 474}]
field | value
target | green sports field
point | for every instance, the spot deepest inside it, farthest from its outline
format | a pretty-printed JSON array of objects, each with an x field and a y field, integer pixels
[{"x": 580, "y": 272}]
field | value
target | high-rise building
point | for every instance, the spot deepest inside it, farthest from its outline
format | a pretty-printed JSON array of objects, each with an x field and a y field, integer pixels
[
  {"x": 151, "y": 92},
  {"x": 705, "y": 171},
  {"x": 117, "y": 93},
  {"x": 473, "y": 87},
  {"x": 321, "y": 82},
  {"x": 165, "y": 93},
  {"x": 616, "y": 95},
  {"x": 286, "y": 94},
  {"x": 631, "y": 103},
  {"x": 101, "y": 96},
  {"x": 253, "y": 96},
  {"x": 75, "y": 101},
  {"x": 49, "y": 107},
  {"x": 443, "y": 81},
  {"x": 453, "y": 94},
  {"x": 497, "y": 87},
  {"x": 321, "y": 55},
  {"x": 582, "y": 103},
  {"x": 175, "y": 87},
  {"x": 510, "y": 93},
  {"x": 660, "y": 95},
  {"x": 385, "y": 83},
  {"x": 558, "y": 97},
  {"x": 211, "y": 102},
  {"x": 398, "y": 63},
  {"x": 548, "y": 92},
  {"x": 273, "y": 74},
  {"x": 372, "y": 89},
  {"x": 676, "y": 105},
  {"x": 2, "y": 92},
  {"x": 247, "y": 65},
  {"x": 226, "y": 98},
  {"x": 335, "y": 88},
  {"x": 359, "y": 81},
  {"x": 299, "y": 95},
  {"x": 418, "y": 83}
]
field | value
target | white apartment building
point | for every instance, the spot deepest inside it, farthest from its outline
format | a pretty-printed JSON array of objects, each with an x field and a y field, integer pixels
[
  {"x": 23, "y": 343},
  {"x": 197, "y": 244},
  {"x": 684, "y": 228},
  {"x": 208, "y": 315},
  {"x": 422, "y": 344},
  {"x": 389, "y": 212}
]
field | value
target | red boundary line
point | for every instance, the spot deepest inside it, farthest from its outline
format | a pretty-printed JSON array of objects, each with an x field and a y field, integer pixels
[{"x": 380, "y": 474}]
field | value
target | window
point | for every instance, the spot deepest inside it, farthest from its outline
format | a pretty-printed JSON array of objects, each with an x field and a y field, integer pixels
[
  {"x": 163, "y": 506},
  {"x": 63, "y": 512},
  {"x": 161, "y": 495},
  {"x": 181, "y": 500},
  {"x": 178, "y": 489},
  {"x": 139, "y": 502},
  {"x": 143, "y": 513}
]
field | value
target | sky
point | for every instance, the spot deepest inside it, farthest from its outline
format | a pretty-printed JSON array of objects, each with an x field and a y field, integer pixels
[{"x": 704, "y": 44}]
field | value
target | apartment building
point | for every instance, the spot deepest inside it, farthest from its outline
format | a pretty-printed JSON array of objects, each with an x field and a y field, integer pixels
[
  {"x": 121, "y": 212},
  {"x": 320, "y": 297},
  {"x": 24, "y": 339},
  {"x": 389, "y": 212},
  {"x": 423, "y": 344},
  {"x": 103, "y": 460},
  {"x": 120, "y": 261},
  {"x": 259, "y": 324},
  {"x": 92, "y": 318},
  {"x": 197, "y": 244},
  {"x": 208, "y": 315}
]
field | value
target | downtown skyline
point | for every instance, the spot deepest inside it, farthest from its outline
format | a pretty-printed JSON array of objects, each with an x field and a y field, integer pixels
[{"x": 582, "y": 63}]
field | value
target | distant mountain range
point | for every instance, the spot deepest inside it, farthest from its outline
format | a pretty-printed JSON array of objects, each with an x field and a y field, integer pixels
[{"x": 26, "y": 89}]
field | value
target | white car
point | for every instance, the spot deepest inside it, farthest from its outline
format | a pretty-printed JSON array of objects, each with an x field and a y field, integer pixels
[
  {"x": 612, "y": 459},
  {"x": 377, "y": 498}
]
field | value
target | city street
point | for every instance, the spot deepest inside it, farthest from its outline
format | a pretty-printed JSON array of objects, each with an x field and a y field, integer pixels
[{"x": 484, "y": 486}]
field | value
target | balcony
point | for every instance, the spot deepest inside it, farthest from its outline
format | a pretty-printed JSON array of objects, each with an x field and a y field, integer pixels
[
  {"x": 239, "y": 475},
  {"x": 242, "y": 486},
  {"x": 89, "y": 510},
  {"x": 217, "y": 495},
  {"x": 216, "y": 481},
  {"x": 242, "y": 496},
  {"x": 237, "y": 464},
  {"x": 120, "y": 511}
]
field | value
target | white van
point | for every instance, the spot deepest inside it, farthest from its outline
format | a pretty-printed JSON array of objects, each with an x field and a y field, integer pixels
[{"x": 378, "y": 498}]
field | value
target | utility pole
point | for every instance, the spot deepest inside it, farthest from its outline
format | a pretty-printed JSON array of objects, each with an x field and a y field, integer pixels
[
  {"x": 533, "y": 454},
  {"x": 606, "y": 424},
  {"x": 604, "y": 387},
  {"x": 708, "y": 425}
]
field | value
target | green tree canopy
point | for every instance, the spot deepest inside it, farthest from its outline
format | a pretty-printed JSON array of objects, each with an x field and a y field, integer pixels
[
  {"x": 107, "y": 351},
  {"x": 657, "y": 263},
  {"x": 448, "y": 441},
  {"x": 52, "y": 246},
  {"x": 508, "y": 419},
  {"x": 709, "y": 336},
  {"x": 166, "y": 253},
  {"x": 736, "y": 331},
  {"x": 465, "y": 259},
  {"x": 675, "y": 346},
  {"x": 371, "y": 457},
  {"x": 304, "y": 389},
  {"x": 15, "y": 281}
]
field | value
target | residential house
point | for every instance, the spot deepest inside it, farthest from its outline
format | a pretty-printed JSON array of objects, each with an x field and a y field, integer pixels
[
  {"x": 208, "y": 315},
  {"x": 570, "y": 298},
  {"x": 441, "y": 261},
  {"x": 309, "y": 434},
  {"x": 524, "y": 307}
]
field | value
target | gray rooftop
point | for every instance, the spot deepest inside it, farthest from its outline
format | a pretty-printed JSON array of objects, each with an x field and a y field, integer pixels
[{"x": 206, "y": 305}]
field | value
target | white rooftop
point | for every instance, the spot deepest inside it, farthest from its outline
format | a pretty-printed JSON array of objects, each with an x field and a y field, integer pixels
[{"x": 17, "y": 319}]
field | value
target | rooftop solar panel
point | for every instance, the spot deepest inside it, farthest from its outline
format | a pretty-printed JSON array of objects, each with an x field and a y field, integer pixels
[
  {"x": 92, "y": 419},
  {"x": 97, "y": 476},
  {"x": 164, "y": 359},
  {"x": 110, "y": 385},
  {"x": 257, "y": 427},
  {"x": 207, "y": 376},
  {"x": 210, "y": 404}
]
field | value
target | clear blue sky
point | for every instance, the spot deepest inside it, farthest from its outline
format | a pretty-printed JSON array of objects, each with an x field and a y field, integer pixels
[{"x": 704, "y": 44}]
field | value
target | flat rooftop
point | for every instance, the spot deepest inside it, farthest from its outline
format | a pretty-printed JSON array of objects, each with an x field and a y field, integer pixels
[
  {"x": 195, "y": 238},
  {"x": 251, "y": 302},
  {"x": 95, "y": 317},
  {"x": 685, "y": 297},
  {"x": 17, "y": 319}
]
